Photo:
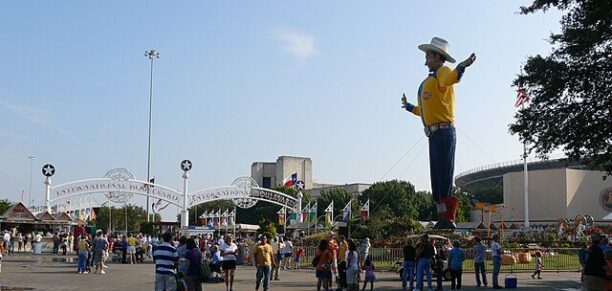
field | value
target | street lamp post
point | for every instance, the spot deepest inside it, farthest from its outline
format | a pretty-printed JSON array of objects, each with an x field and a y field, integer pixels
[
  {"x": 151, "y": 54},
  {"x": 32, "y": 158}
]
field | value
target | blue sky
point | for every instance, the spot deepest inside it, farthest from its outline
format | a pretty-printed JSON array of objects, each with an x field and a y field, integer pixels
[{"x": 245, "y": 81}]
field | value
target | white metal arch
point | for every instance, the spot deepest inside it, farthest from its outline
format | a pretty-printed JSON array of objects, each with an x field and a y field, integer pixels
[
  {"x": 101, "y": 185},
  {"x": 233, "y": 192}
]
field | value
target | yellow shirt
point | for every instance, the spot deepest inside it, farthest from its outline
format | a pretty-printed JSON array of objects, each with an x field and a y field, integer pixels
[
  {"x": 342, "y": 254},
  {"x": 263, "y": 255},
  {"x": 437, "y": 96},
  {"x": 132, "y": 241}
]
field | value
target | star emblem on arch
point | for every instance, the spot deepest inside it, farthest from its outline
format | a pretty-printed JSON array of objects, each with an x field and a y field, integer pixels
[
  {"x": 48, "y": 170},
  {"x": 186, "y": 165}
]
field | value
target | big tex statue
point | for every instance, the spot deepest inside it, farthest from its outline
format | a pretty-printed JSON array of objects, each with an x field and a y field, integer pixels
[{"x": 436, "y": 107}]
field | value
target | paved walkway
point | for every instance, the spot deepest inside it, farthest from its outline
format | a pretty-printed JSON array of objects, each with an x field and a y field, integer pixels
[{"x": 59, "y": 273}]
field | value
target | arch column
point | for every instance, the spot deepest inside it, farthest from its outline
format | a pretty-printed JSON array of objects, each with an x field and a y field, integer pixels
[
  {"x": 48, "y": 194},
  {"x": 184, "y": 212}
]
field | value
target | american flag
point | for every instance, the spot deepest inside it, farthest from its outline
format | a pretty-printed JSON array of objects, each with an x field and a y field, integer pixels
[{"x": 521, "y": 96}]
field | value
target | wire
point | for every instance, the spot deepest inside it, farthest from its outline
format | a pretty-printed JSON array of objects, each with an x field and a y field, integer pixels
[
  {"x": 403, "y": 156},
  {"x": 409, "y": 165}
]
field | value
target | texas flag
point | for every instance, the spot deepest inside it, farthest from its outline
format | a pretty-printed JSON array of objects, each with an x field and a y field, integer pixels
[
  {"x": 290, "y": 180},
  {"x": 365, "y": 210}
]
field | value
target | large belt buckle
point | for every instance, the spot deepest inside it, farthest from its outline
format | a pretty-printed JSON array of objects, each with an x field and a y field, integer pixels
[{"x": 430, "y": 129}]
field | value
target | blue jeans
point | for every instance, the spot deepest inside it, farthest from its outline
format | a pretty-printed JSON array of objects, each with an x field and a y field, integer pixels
[
  {"x": 479, "y": 268},
  {"x": 263, "y": 272},
  {"x": 82, "y": 261},
  {"x": 442, "y": 162},
  {"x": 496, "y": 267},
  {"x": 408, "y": 274},
  {"x": 424, "y": 265}
]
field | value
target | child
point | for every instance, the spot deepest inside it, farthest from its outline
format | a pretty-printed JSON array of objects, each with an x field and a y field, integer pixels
[
  {"x": 538, "y": 265},
  {"x": 370, "y": 276},
  {"x": 299, "y": 256}
]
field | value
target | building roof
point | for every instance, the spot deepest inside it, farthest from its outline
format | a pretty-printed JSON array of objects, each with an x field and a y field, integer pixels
[{"x": 18, "y": 212}]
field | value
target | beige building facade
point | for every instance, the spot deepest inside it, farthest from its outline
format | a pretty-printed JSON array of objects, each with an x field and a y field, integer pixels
[
  {"x": 558, "y": 193},
  {"x": 271, "y": 174}
]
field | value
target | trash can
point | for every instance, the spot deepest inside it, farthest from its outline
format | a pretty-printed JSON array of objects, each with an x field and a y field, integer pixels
[
  {"x": 510, "y": 281},
  {"x": 37, "y": 248}
]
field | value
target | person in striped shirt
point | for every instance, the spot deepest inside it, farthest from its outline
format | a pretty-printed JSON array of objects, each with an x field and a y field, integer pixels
[{"x": 166, "y": 260}]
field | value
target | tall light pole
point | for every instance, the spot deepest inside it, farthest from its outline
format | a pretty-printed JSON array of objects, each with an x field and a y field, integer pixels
[
  {"x": 151, "y": 54},
  {"x": 32, "y": 158}
]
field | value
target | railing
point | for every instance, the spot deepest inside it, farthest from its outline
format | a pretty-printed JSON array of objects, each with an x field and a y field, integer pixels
[
  {"x": 558, "y": 259},
  {"x": 530, "y": 161}
]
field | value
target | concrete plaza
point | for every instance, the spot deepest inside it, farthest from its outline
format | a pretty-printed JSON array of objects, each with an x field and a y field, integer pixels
[{"x": 47, "y": 272}]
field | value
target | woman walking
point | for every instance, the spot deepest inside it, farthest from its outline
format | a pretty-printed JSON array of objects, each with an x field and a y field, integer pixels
[
  {"x": 538, "y": 265},
  {"x": 352, "y": 266},
  {"x": 322, "y": 263},
  {"x": 228, "y": 250}
]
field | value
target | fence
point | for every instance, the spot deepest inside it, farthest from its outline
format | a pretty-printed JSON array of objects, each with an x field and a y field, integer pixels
[{"x": 557, "y": 259}]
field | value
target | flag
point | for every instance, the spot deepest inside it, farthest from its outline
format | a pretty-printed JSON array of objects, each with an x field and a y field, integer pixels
[
  {"x": 521, "y": 96},
  {"x": 312, "y": 214},
  {"x": 330, "y": 208},
  {"x": 204, "y": 218},
  {"x": 346, "y": 212},
  {"x": 329, "y": 213},
  {"x": 292, "y": 217},
  {"x": 281, "y": 216},
  {"x": 231, "y": 218},
  {"x": 365, "y": 210},
  {"x": 224, "y": 216},
  {"x": 305, "y": 211},
  {"x": 290, "y": 180}
]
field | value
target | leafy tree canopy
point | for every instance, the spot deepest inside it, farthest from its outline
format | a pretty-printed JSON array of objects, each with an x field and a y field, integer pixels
[
  {"x": 400, "y": 197},
  {"x": 570, "y": 88},
  {"x": 5, "y": 204}
]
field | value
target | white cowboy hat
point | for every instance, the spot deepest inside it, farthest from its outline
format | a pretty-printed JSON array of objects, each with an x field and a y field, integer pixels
[{"x": 438, "y": 45}]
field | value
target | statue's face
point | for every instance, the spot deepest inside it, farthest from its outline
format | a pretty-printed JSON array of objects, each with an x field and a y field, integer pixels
[{"x": 433, "y": 61}]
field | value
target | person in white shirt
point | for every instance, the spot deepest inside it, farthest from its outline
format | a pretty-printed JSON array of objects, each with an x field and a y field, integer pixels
[
  {"x": 228, "y": 250},
  {"x": 496, "y": 253},
  {"x": 287, "y": 253},
  {"x": 352, "y": 266}
]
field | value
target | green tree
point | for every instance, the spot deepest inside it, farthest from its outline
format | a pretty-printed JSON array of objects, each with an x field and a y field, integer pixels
[
  {"x": 570, "y": 88},
  {"x": 395, "y": 194},
  {"x": 401, "y": 198},
  {"x": 136, "y": 216},
  {"x": 5, "y": 204}
]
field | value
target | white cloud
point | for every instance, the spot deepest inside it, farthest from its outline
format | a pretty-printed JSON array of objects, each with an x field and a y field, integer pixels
[
  {"x": 38, "y": 117},
  {"x": 297, "y": 44}
]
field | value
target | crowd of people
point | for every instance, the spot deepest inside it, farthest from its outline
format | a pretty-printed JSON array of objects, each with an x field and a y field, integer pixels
[{"x": 189, "y": 262}]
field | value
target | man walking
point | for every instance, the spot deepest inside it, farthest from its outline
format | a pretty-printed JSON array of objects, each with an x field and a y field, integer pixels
[
  {"x": 100, "y": 246},
  {"x": 424, "y": 253},
  {"x": 479, "y": 262},
  {"x": 409, "y": 265},
  {"x": 436, "y": 107},
  {"x": 166, "y": 260},
  {"x": 496, "y": 253},
  {"x": 263, "y": 258}
]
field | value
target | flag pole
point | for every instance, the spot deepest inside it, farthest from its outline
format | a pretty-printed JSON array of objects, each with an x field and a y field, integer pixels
[
  {"x": 526, "y": 179},
  {"x": 525, "y": 170},
  {"x": 234, "y": 222},
  {"x": 350, "y": 217}
]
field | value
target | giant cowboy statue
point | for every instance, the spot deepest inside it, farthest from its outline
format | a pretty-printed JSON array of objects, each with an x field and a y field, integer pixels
[{"x": 436, "y": 107}]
